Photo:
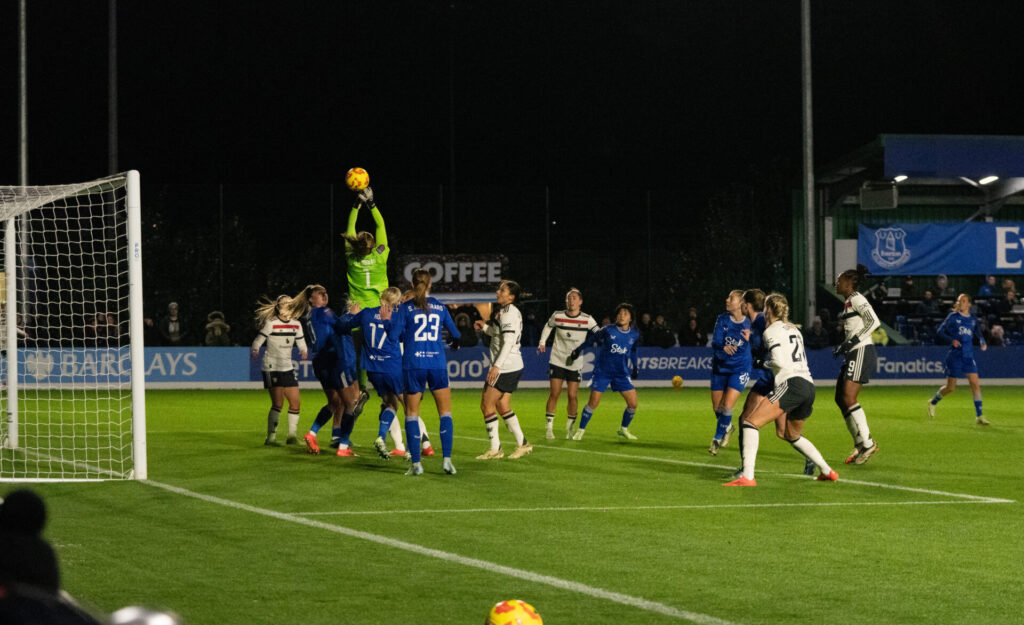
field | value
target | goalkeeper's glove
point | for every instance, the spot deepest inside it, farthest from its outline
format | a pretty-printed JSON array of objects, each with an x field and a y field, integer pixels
[
  {"x": 634, "y": 373},
  {"x": 366, "y": 197},
  {"x": 574, "y": 355}
]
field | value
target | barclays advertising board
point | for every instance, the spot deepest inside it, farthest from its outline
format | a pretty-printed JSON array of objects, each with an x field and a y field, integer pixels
[{"x": 227, "y": 367}]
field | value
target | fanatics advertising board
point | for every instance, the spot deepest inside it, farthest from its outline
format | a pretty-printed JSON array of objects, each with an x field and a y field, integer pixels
[
  {"x": 952, "y": 249},
  {"x": 232, "y": 367}
]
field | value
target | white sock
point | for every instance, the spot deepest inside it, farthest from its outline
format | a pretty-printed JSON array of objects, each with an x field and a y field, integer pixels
[
  {"x": 293, "y": 422},
  {"x": 570, "y": 421},
  {"x": 550, "y": 418},
  {"x": 423, "y": 434},
  {"x": 851, "y": 425},
  {"x": 272, "y": 417},
  {"x": 858, "y": 416},
  {"x": 491, "y": 423},
  {"x": 512, "y": 423},
  {"x": 751, "y": 440},
  {"x": 395, "y": 431},
  {"x": 811, "y": 452}
]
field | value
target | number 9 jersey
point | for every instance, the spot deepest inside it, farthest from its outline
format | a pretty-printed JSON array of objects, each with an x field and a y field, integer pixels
[{"x": 419, "y": 331}]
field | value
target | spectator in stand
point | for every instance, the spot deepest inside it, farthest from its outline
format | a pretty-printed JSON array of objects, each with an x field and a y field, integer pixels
[
  {"x": 464, "y": 324},
  {"x": 942, "y": 289},
  {"x": 531, "y": 330},
  {"x": 989, "y": 289},
  {"x": 907, "y": 288},
  {"x": 644, "y": 325},
  {"x": 928, "y": 307},
  {"x": 816, "y": 337},
  {"x": 997, "y": 338},
  {"x": 661, "y": 335},
  {"x": 217, "y": 330},
  {"x": 1008, "y": 285},
  {"x": 1004, "y": 309},
  {"x": 606, "y": 321},
  {"x": 172, "y": 327},
  {"x": 691, "y": 336}
]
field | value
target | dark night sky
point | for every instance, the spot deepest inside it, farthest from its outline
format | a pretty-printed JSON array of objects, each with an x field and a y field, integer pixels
[{"x": 652, "y": 93}]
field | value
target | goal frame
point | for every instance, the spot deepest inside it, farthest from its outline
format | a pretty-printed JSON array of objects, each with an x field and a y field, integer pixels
[{"x": 133, "y": 253}]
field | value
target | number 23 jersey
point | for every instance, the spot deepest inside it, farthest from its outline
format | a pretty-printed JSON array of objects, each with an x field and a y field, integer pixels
[{"x": 420, "y": 333}]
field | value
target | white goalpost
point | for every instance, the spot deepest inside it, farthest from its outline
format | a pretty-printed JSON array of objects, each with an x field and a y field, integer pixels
[{"x": 72, "y": 375}]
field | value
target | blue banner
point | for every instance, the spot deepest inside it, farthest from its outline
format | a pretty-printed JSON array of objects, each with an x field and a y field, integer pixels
[
  {"x": 226, "y": 367},
  {"x": 952, "y": 249}
]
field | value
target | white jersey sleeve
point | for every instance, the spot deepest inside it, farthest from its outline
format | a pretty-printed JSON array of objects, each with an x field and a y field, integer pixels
[
  {"x": 506, "y": 354},
  {"x": 281, "y": 337},
  {"x": 859, "y": 320},
  {"x": 786, "y": 355},
  {"x": 570, "y": 333}
]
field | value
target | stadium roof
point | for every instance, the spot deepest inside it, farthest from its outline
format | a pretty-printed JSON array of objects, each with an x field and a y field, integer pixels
[{"x": 930, "y": 169}]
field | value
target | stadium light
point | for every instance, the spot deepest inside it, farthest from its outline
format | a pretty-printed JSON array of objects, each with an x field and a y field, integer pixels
[
  {"x": 988, "y": 179},
  {"x": 899, "y": 178}
]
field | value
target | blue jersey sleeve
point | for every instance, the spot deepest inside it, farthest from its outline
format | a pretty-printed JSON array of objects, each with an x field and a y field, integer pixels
[
  {"x": 944, "y": 329},
  {"x": 346, "y": 323},
  {"x": 449, "y": 325},
  {"x": 718, "y": 337}
]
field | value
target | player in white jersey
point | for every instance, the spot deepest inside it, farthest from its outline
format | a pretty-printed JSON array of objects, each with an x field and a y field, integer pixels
[
  {"x": 790, "y": 402},
  {"x": 505, "y": 330},
  {"x": 570, "y": 327},
  {"x": 281, "y": 333},
  {"x": 858, "y": 352}
]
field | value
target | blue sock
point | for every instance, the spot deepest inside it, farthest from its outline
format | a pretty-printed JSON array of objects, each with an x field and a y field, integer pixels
[
  {"x": 348, "y": 423},
  {"x": 447, "y": 433},
  {"x": 336, "y": 432},
  {"x": 627, "y": 417},
  {"x": 387, "y": 415},
  {"x": 724, "y": 420},
  {"x": 977, "y": 407},
  {"x": 412, "y": 432},
  {"x": 322, "y": 418},
  {"x": 585, "y": 417}
]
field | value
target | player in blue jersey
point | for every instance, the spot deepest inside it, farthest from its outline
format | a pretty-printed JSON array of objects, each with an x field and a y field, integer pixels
[
  {"x": 730, "y": 370},
  {"x": 616, "y": 365},
  {"x": 960, "y": 328},
  {"x": 334, "y": 364},
  {"x": 381, "y": 359},
  {"x": 417, "y": 325}
]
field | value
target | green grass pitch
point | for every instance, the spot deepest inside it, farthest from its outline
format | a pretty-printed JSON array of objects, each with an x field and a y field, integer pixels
[{"x": 596, "y": 531}]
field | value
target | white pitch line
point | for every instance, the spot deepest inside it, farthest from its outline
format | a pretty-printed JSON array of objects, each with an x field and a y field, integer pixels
[
  {"x": 631, "y": 508},
  {"x": 613, "y": 454},
  {"x": 490, "y": 567}
]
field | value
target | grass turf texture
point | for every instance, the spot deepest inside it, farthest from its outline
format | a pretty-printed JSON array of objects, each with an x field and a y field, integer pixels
[{"x": 648, "y": 519}]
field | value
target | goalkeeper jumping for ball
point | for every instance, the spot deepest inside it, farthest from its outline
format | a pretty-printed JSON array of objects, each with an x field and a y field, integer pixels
[{"x": 367, "y": 259}]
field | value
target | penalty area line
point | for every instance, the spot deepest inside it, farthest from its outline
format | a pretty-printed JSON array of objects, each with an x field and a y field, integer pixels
[
  {"x": 909, "y": 489},
  {"x": 631, "y": 508},
  {"x": 490, "y": 567}
]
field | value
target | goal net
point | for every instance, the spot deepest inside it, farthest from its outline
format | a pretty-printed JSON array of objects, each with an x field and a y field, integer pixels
[{"x": 71, "y": 373}]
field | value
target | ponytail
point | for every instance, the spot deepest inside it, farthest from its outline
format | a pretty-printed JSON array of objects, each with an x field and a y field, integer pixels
[
  {"x": 779, "y": 307},
  {"x": 420, "y": 287}
]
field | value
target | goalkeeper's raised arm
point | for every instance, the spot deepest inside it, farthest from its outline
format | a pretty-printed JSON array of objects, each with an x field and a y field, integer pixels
[{"x": 366, "y": 254}]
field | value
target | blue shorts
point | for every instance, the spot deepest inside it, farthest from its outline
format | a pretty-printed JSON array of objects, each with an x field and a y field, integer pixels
[
  {"x": 416, "y": 380},
  {"x": 620, "y": 382},
  {"x": 957, "y": 366},
  {"x": 334, "y": 374},
  {"x": 721, "y": 381},
  {"x": 764, "y": 382},
  {"x": 386, "y": 382}
]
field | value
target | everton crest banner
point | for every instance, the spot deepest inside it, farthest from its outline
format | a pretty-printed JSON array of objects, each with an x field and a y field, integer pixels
[{"x": 952, "y": 249}]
